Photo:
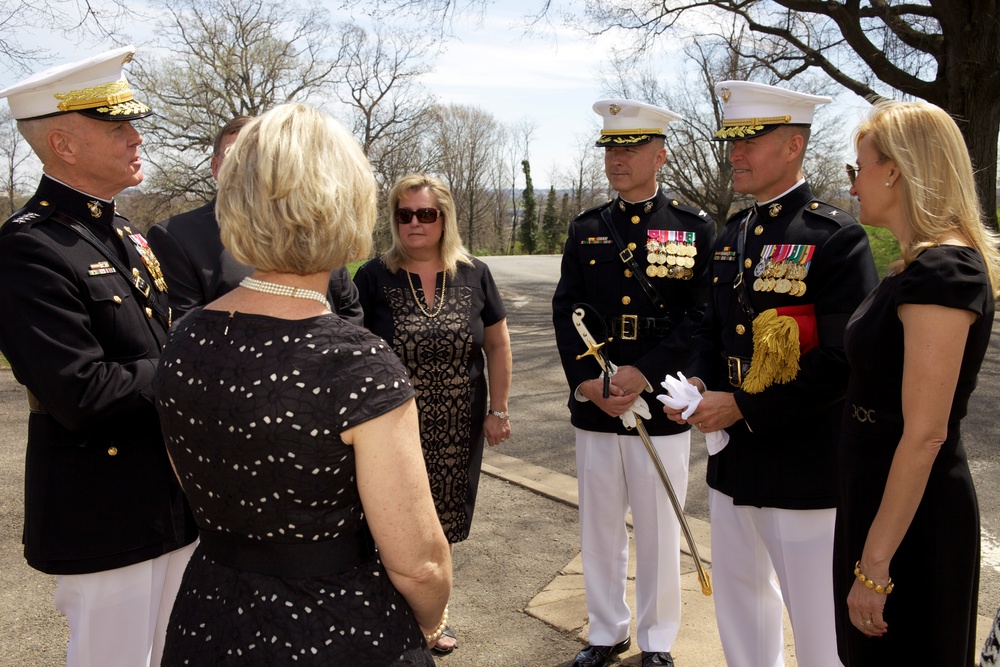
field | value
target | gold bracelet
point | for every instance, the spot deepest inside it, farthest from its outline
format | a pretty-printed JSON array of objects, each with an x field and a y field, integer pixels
[
  {"x": 871, "y": 584},
  {"x": 439, "y": 630}
]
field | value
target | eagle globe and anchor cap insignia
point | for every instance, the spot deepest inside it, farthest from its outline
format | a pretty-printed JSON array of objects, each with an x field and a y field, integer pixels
[
  {"x": 631, "y": 123},
  {"x": 752, "y": 109}
]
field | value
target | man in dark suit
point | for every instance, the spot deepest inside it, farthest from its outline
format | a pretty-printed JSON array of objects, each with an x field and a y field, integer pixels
[
  {"x": 85, "y": 316},
  {"x": 641, "y": 263},
  {"x": 787, "y": 274},
  {"x": 199, "y": 269}
]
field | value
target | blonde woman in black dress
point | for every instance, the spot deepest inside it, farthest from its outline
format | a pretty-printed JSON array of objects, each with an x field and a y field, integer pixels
[
  {"x": 906, "y": 558},
  {"x": 294, "y": 432},
  {"x": 441, "y": 311}
]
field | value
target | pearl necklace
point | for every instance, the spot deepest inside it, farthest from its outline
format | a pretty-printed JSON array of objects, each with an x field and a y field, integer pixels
[
  {"x": 283, "y": 290},
  {"x": 438, "y": 304}
]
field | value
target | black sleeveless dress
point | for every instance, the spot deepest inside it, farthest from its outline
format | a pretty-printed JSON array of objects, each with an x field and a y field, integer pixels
[
  {"x": 932, "y": 611},
  {"x": 252, "y": 408}
]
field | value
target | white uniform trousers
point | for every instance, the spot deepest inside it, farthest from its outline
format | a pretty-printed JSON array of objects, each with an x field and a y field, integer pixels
[
  {"x": 614, "y": 473},
  {"x": 750, "y": 545},
  {"x": 118, "y": 618}
]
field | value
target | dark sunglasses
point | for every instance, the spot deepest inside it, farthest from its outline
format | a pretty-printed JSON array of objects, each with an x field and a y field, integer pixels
[
  {"x": 853, "y": 169},
  {"x": 425, "y": 216}
]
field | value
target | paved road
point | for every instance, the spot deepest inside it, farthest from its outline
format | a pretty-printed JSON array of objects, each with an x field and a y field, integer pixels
[{"x": 527, "y": 284}]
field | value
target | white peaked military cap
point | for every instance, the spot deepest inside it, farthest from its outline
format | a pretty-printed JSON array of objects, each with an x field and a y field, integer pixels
[
  {"x": 628, "y": 123},
  {"x": 752, "y": 109},
  {"x": 95, "y": 87}
]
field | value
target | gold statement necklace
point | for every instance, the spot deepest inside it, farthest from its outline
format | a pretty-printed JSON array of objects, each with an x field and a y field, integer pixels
[{"x": 438, "y": 303}]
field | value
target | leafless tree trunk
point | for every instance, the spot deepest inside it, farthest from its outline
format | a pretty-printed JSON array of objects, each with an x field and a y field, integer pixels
[
  {"x": 229, "y": 58},
  {"x": 14, "y": 152},
  {"x": 941, "y": 51},
  {"x": 468, "y": 138}
]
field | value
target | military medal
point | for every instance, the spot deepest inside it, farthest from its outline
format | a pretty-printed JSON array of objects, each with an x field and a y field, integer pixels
[{"x": 149, "y": 259}]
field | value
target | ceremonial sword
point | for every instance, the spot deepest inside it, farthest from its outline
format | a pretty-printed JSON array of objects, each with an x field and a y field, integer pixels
[{"x": 594, "y": 350}]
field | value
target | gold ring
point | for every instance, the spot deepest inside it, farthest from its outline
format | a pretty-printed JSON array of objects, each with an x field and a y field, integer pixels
[{"x": 867, "y": 622}]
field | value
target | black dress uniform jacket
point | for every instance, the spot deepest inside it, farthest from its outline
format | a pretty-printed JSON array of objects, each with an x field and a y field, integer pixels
[
  {"x": 783, "y": 452},
  {"x": 199, "y": 269},
  {"x": 99, "y": 489},
  {"x": 593, "y": 273}
]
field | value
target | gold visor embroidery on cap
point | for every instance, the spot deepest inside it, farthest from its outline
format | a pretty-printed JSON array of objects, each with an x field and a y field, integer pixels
[
  {"x": 109, "y": 94},
  {"x": 741, "y": 127},
  {"x": 130, "y": 107}
]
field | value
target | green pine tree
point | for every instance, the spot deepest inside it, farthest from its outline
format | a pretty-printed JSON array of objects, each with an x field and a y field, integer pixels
[
  {"x": 550, "y": 223},
  {"x": 529, "y": 220}
]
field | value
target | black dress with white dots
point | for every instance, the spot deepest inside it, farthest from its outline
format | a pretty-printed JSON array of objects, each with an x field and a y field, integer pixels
[{"x": 252, "y": 408}]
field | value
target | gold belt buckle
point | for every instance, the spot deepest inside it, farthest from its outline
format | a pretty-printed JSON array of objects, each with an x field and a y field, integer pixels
[
  {"x": 735, "y": 371},
  {"x": 630, "y": 327}
]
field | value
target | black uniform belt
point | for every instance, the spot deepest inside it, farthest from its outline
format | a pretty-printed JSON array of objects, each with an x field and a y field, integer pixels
[
  {"x": 630, "y": 327},
  {"x": 305, "y": 559},
  {"x": 737, "y": 369}
]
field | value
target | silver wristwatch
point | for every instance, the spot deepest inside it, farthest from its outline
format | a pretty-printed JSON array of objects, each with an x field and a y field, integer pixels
[{"x": 502, "y": 415}]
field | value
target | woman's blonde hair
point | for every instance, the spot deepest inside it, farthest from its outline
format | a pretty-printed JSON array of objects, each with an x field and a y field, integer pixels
[
  {"x": 451, "y": 249},
  {"x": 936, "y": 176},
  {"x": 296, "y": 193}
]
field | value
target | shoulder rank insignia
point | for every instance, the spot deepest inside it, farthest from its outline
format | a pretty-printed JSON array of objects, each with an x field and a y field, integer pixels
[{"x": 24, "y": 217}]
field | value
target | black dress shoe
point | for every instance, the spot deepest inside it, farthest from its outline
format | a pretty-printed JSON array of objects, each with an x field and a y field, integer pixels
[
  {"x": 600, "y": 656},
  {"x": 655, "y": 659}
]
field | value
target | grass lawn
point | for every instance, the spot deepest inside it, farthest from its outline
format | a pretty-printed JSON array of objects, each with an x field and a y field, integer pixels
[{"x": 885, "y": 248}]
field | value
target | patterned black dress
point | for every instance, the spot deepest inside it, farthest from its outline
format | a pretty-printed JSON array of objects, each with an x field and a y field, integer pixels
[
  {"x": 252, "y": 408},
  {"x": 932, "y": 610},
  {"x": 444, "y": 355}
]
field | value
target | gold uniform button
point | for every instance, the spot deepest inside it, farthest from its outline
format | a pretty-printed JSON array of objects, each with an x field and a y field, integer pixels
[
  {"x": 635, "y": 219},
  {"x": 112, "y": 451},
  {"x": 628, "y": 273},
  {"x": 740, "y": 329},
  {"x": 43, "y": 203},
  {"x": 747, "y": 263},
  {"x": 674, "y": 202},
  {"x": 715, "y": 279},
  {"x": 813, "y": 206},
  {"x": 626, "y": 300},
  {"x": 631, "y": 246},
  {"x": 758, "y": 230},
  {"x": 593, "y": 261},
  {"x": 116, "y": 299}
]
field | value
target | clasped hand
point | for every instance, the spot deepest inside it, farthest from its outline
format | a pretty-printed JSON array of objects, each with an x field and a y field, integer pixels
[
  {"x": 716, "y": 411},
  {"x": 623, "y": 394}
]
